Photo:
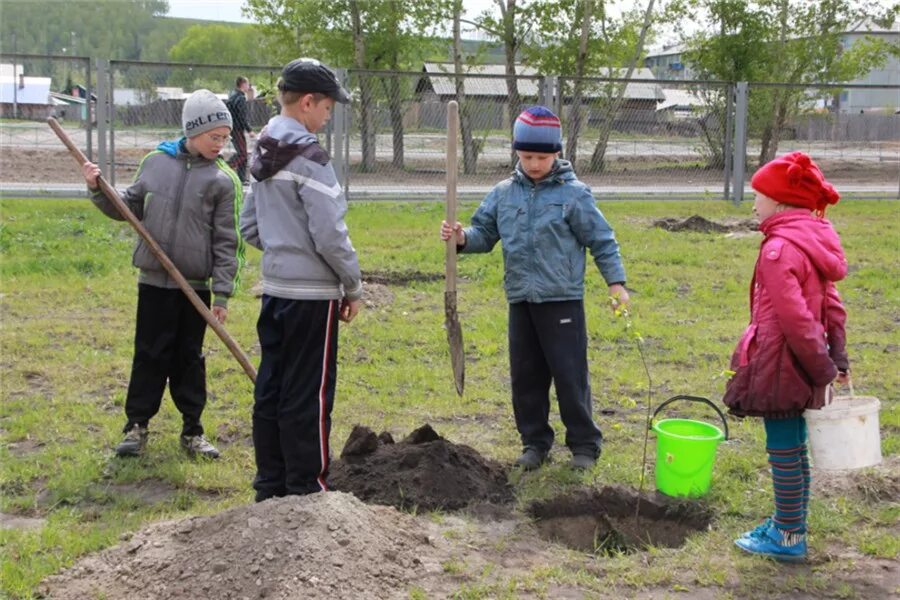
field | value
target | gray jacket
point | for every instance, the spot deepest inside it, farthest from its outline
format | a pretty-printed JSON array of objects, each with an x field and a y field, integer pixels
[
  {"x": 190, "y": 206},
  {"x": 295, "y": 215}
]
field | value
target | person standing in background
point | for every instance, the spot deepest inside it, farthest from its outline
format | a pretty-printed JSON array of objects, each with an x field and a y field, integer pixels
[{"x": 240, "y": 116}]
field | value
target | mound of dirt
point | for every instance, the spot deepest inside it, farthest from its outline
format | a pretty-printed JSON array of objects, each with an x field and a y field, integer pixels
[
  {"x": 604, "y": 520},
  {"x": 317, "y": 546},
  {"x": 423, "y": 471},
  {"x": 698, "y": 224}
]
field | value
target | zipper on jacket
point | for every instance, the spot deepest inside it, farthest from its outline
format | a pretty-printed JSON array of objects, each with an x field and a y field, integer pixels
[
  {"x": 178, "y": 203},
  {"x": 531, "y": 275}
]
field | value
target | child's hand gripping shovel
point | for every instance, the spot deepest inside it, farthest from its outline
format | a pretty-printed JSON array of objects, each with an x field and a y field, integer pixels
[
  {"x": 157, "y": 251},
  {"x": 451, "y": 319}
]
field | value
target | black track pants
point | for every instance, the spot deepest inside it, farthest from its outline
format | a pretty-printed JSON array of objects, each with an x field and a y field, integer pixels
[
  {"x": 168, "y": 346},
  {"x": 294, "y": 395},
  {"x": 548, "y": 342}
]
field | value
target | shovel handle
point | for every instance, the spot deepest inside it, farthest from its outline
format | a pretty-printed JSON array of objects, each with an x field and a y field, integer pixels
[
  {"x": 113, "y": 196},
  {"x": 452, "y": 170},
  {"x": 694, "y": 399}
]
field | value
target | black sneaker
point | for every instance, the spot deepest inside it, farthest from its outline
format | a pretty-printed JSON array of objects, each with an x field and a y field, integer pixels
[
  {"x": 198, "y": 445},
  {"x": 531, "y": 459},
  {"x": 134, "y": 442}
]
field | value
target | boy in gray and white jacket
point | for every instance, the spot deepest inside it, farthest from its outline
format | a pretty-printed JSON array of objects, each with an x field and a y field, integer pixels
[{"x": 311, "y": 280}]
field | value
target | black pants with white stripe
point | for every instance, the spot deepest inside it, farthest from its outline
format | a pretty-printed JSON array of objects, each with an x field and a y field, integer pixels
[
  {"x": 294, "y": 395},
  {"x": 168, "y": 347},
  {"x": 548, "y": 342}
]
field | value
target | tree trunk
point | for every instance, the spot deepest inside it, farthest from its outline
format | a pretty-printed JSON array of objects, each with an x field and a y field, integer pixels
[
  {"x": 598, "y": 158},
  {"x": 511, "y": 44},
  {"x": 470, "y": 152},
  {"x": 366, "y": 105},
  {"x": 395, "y": 103},
  {"x": 580, "y": 65}
]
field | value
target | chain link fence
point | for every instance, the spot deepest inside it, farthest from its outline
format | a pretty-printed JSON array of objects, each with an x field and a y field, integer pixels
[{"x": 628, "y": 138}]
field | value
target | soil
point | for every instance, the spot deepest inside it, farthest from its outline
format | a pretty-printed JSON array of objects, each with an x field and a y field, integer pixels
[
  {"x": 616, "y": 519},
  {"x": 699, "y": 224},
  {"x": 423, "y": 472},
  {"x": 335, "y": 545}
]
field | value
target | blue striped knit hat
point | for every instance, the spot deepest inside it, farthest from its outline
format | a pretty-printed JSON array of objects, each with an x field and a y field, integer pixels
[{"x": 537, "y": 129}]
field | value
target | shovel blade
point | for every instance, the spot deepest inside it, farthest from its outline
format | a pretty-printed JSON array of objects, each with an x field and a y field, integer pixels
[{"x": 454, "y": 338}]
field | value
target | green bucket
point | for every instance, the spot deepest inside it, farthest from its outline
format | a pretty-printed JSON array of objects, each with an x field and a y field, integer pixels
[{"x": 686, "y": 451}]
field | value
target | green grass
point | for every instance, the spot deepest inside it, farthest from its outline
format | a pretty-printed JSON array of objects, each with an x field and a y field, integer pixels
[{"x": 68, "y": 303}]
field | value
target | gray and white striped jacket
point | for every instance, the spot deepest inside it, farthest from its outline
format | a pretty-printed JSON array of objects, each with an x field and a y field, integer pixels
[{"x": 295, "y": 215}]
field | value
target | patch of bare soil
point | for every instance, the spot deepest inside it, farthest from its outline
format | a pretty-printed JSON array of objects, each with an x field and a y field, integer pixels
[
  {"x": 316, "y": 546},
  {"x": 871, "y": 485},
  {"x": 400, "y": 277},
  {"x": 8, "y": 521},
  {"x": 698, "y": 224},
  {"x": 376, "y": 295},
  {"x": 424, "y": 471},
  {"x": 617, "y": 519}
]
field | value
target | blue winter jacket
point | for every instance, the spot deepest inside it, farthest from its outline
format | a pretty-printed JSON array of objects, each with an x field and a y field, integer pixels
[{"x": 545, "y": 228}]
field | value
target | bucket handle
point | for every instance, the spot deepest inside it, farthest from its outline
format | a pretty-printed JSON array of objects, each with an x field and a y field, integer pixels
[{"x": 694, "y": 399}]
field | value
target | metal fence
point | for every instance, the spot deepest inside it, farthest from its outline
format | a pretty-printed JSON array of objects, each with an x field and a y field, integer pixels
[{"x": 627, "y": 138}]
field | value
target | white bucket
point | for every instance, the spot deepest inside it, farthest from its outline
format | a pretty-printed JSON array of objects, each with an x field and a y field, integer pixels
[{"x": 844, "y": 434}]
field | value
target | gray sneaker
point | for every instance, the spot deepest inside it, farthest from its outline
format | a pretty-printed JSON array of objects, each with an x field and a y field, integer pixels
[
  {"x": 134, "y": 442},
  {"x": 582, "y": 462},
  {"x": 531, "y": 459},
  {"x": 198, "y": 445}
]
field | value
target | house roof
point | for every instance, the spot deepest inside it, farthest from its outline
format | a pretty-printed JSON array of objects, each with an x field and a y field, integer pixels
[
  {"x": 36, "y": 90},
  {"x": 443, "y": 85},
  {"x": 480, "y": 86},
  {"x": 678, "y": 98}
]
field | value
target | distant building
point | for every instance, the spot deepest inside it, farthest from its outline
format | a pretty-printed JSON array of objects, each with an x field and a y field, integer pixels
[
  {"x": 670, "y": 64},
  {"x": 26, "y": 97},
  {"x": 485, "y": 85}
]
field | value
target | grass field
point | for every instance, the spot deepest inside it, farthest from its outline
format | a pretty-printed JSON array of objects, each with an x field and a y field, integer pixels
[{"x": 68, "y": 302}]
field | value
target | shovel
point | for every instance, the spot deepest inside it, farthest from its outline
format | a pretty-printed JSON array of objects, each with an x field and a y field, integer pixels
[
  {"x": 451, "y": 318},
  {"x": 113, "y": 196}
]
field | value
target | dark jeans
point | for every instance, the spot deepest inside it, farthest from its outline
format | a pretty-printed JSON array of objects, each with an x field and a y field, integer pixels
[
  {"x": 238, "y": 162},
  {"x": 168, "y": 346},
  {"x": 548, "y": 342},
  {"x": 294, "y": 395}
]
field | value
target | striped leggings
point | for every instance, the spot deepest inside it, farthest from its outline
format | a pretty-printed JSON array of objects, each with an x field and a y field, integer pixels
[{"x": 788, "y": 457}]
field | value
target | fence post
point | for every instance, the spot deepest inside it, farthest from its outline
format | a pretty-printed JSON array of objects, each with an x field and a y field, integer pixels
[
  {"x": 545, "y": 92},
  {"x": 89, "y": 126},
  {"x": 740, "y": 141},
  {"x": 102, "y": 97},
  {"x": 340, "y": 132},
  {"x": 728, "y": 155},
  {"x": 111, "y": 114}
]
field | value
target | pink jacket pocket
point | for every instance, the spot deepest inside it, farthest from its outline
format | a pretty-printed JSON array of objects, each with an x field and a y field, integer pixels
[{"x": 744, "y": 348}]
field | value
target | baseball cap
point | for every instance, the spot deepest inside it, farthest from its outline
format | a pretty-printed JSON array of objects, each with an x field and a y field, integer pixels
[{"x": 310, "y": 75}]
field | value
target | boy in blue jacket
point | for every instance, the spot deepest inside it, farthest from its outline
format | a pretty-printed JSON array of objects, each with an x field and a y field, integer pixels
[{"x": 546, "y": 218}]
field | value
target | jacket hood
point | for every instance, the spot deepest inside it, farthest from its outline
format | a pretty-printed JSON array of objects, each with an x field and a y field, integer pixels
[
  {"x": 561, "y": 171},
  {"x": 815, "y": 236},
  {"x": 280, "y": 142},
  {"x": 173, "y": 147}
]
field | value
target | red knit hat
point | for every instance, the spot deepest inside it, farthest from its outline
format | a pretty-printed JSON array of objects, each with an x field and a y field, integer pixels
[{"x": 796, "y": 180}]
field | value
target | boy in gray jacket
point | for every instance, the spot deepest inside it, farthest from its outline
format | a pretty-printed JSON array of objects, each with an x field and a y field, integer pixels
[
  {"x": 311, "y": 280},
  {"x": 188, "y": 199}
]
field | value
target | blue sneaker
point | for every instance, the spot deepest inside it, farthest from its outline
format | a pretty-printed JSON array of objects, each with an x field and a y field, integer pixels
[
  {"x": 758, "y": 530},
  {"x": 774, "y": 543}
]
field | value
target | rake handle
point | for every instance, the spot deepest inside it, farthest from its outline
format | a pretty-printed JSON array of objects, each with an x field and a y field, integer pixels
[{"x": 113, "y": 196}]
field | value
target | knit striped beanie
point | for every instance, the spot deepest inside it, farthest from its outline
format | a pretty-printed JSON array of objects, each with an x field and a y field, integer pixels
[{"x": 537, "y": 129}]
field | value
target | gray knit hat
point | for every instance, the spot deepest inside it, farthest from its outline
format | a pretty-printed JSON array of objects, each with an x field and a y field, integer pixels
[{"x": 204, "y": 111}]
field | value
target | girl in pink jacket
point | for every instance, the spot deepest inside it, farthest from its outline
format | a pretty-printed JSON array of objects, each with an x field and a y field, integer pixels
[{"x": 793, "y": 348}]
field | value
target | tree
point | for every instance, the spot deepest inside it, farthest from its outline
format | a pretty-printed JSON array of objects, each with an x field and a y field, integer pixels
[
  {"x": 375, "y": 34},
  {"x": 219, "y": 44},
  {"x": 512, "y": 29},
  {"x": 795, "y": 43}
]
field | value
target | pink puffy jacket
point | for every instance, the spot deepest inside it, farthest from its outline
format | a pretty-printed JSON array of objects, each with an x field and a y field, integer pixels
[{"x": 795, "y": 343}]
